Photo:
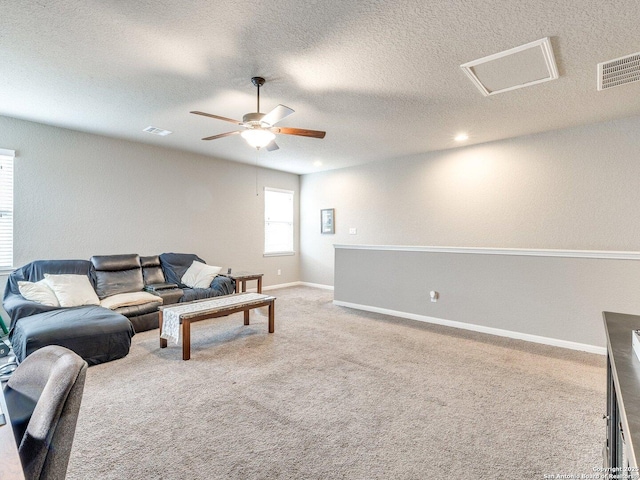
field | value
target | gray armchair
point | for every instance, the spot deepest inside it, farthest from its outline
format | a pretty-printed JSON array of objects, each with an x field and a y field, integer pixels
[{"x": 43, "y": 398}]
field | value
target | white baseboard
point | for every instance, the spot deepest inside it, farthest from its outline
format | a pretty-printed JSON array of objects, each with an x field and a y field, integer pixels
[
  {"x": 317, "y": 285},
  {"x": 479, "y": 328},
  {"x": 294, "y": 284},
  {"x": 279, "y": 285}
]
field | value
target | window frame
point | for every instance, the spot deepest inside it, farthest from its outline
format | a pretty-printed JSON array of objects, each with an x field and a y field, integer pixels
[
  {"x": 293, "y": 223},
  {"x": 8, "y": 157}
]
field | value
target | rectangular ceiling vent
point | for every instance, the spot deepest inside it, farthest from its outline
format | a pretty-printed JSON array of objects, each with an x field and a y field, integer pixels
[
  {"x": 517, "y": 67},
  {"x": 618, "y": 72},
  {"x": 157, "y": 131}
]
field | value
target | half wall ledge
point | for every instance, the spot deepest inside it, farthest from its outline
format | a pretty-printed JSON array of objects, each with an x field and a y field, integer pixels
[{"x": 554, "y": 297}]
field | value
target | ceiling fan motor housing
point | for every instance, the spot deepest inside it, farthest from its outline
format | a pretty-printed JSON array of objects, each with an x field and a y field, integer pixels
[{"x": 252, "y": 120}]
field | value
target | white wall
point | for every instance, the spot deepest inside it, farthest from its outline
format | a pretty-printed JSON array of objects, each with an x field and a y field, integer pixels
[
  {"x": 78, "y": 195},
  {"x": 570, "y": 189}
]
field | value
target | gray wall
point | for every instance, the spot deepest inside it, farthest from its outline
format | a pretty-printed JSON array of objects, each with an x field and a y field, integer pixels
[
  {"x": 573, "y": 189},
  {"x": 552, "y": 297},
  {"x": 78, "y": 195}
]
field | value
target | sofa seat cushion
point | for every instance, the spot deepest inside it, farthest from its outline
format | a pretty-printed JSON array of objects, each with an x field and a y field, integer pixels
[
  {"x": 170, "y": 295},
  {"x": 128, "y": 299},
  {"x": 220, "y": 286},
  {"x": 191, "y": 294},
  {"x": 97, "y": 334},
  {"x": 135, "y": 310}
]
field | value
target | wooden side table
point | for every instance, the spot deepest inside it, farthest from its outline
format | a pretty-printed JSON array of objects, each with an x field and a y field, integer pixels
[{"x": 243, "y": 278}]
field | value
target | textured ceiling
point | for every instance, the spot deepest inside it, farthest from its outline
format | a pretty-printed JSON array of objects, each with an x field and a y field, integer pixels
[{"x": 381, "y": 77}]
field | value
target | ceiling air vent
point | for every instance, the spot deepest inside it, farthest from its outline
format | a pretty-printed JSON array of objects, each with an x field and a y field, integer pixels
[
  {"x": 618, "y": 72},
  {"x": 517, "y": 67},
  {"x": 157, "y": 131}
]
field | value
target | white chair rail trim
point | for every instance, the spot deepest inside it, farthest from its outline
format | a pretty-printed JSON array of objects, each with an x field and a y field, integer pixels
[{"x": 527, "y": 252}]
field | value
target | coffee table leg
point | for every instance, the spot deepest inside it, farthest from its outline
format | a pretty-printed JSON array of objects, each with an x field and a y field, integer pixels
[
  {"x": 272, "y": 308},
  {"x": 163, "y": 341},
  {"x": 186, "y": 339},
  {"x": 246, "y": 317}
]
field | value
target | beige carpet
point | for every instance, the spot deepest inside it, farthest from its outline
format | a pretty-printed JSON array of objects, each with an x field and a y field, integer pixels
[{"x": 339, "y": 394}]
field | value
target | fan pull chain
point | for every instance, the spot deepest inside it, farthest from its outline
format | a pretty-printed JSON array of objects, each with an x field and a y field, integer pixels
[{"x": 257, "y": 155}]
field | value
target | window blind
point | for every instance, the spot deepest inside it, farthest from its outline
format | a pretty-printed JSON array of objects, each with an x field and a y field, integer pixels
[
  {"x": 278, "y": 221},
  {"x": 6, "y": 208}
]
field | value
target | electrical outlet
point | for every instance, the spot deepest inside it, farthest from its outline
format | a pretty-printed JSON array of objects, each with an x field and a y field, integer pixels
[
  {"x": 279, "y": 272},
  {"x": 434, "y": 295},
  {"x": 353, "y": 231}
]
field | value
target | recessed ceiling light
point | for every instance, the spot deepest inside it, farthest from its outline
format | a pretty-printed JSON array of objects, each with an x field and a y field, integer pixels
[
  {"x": 317, "y": 163},
  {"x": 157, "y": 131},
  {"x": 461, "y": 137}
]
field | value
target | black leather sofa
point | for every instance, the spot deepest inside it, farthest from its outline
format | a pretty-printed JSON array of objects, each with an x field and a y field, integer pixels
[{"x": 95, "y": 333}]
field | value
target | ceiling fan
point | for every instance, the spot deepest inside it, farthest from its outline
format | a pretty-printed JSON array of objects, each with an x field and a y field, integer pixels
[{"x": 259, "y": 127}]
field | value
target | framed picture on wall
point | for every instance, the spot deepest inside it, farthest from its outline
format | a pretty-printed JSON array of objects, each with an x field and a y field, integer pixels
[{"x": 327, "y": 224}]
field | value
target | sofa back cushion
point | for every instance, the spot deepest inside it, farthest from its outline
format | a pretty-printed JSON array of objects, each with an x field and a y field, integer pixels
[
  {"x": 113, "y": 274},
  {"x": 152, "y": 270},
  {"x": 174, "y": 266},
  {"x": 34, "y": 272}
]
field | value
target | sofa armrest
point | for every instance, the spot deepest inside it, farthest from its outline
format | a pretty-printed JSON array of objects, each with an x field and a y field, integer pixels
[
  {"x": 158, "y": 287},
  {"x": 18, "y": 307},
  {"x": 169, "y": 295}
]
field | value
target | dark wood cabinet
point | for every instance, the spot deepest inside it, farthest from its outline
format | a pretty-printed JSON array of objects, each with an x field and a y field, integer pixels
[{"x": 623, "y": 398}]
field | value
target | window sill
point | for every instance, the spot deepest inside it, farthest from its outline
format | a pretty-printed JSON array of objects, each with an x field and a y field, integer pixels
[{"x": 278, "y": 254}]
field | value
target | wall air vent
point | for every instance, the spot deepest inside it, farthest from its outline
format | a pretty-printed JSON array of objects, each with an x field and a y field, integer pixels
[
  {"x": 157, "y": 131},
  {"x": 618, "y": 72},
  {"x": 517, "y": 67}
]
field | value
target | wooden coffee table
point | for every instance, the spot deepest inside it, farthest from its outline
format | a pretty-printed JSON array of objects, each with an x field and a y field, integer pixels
[{"x": 190, "y": 312}]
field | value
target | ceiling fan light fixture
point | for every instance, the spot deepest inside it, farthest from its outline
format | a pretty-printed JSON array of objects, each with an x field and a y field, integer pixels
[
  {"x": 257, "y": 137},
  {"x": 260, "y": 131}
]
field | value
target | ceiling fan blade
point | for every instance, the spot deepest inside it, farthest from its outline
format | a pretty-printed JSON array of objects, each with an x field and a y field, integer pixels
[
  {"x": 230, "y": 120},
  {"x": 277, "y": 114},
  {"x": 272, "y": 146},
  {"x": 299, "y": 131},
  {"x": 213, "y": 137}
]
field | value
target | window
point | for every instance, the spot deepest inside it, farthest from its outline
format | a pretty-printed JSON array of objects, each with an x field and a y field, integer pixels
[
  {"x": 6, "y": 209},
  {"x": 278, "y": 222}
]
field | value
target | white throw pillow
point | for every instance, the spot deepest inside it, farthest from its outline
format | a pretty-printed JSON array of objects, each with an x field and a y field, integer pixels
[
  {"x": 38, "y": 292},
  {"x": 72, "y": 290},
  {"x": 128, "y": 299},
  {"x": 200, "y": 275}
]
